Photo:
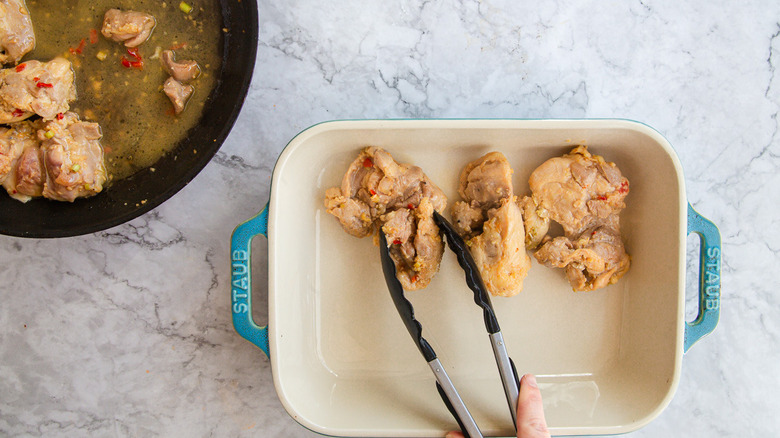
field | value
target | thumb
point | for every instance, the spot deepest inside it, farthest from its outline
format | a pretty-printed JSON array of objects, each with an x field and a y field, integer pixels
[{"x": 530, "y": 412}]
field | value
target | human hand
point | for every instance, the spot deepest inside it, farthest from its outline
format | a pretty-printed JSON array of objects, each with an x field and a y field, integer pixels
[{"x": 530, "y": 412}]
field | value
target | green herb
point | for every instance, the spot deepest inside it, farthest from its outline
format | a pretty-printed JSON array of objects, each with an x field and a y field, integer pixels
[{"x": 184, "y": 7}]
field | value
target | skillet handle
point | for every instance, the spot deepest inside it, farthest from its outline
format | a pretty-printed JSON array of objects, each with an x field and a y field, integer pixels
[
  {"x": 709, "y": 278},
  {"x": 241, "y": 279}
]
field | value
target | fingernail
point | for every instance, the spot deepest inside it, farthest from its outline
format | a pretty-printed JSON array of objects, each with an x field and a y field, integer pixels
[{"x": 530, "y": 380}]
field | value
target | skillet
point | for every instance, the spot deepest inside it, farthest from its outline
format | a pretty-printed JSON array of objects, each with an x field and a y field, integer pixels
[{"x": 131, "y": 197}]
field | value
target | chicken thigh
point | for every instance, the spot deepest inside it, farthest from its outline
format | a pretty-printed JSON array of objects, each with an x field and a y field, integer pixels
[
  {"x": 579, "y": 190},
  {"x": 129, "y": 27},
  {"x": 21, "y": 169},
  {"x": 490, "y": 220},
  {"x": 16, "y": 31},
  {"x": 376, "y": 191},
  {"x": 34, "y": 87},
  {"x": 584, "y": 194},
  {"x": 73, "y": 158}
]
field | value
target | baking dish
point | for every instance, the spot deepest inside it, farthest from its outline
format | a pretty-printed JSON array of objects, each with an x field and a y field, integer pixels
[{"x": 607, "y": 361}]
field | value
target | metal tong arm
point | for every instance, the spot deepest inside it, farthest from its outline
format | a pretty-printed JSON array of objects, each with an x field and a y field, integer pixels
[
  {"x": 444, "y": 384},
  {"x": 506, "y": 367}
]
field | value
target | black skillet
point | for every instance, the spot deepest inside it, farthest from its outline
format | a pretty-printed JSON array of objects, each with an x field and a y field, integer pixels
[{"x": 131, "y": 197}]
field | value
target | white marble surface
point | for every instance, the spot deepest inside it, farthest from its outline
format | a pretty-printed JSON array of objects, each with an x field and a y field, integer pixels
[{"x": 127, "y": 332}]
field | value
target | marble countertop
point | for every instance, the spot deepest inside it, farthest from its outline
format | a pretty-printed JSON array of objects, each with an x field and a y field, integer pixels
[{"x": 127, "y": 332}]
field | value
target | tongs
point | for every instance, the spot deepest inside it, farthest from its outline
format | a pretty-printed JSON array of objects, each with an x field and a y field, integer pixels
[{"x": 506, "y": 367}]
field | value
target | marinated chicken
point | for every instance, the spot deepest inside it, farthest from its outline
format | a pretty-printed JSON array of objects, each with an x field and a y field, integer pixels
[
  {"x": 415, "y": 244},
  {"x": 376, "y": 191},
  {"x": 177, "y": 86},
  {"x": 595, "y": 259},
  {"x": 182, "y": 71},
  {"x": 130, "y": 27},
  {"x": 483, "y": 184},
  {"x": 178, "y": 93},
  {"x": 16, "y": 31},
  {"x": 21, "y": 170},
  {"x": 73, "y": 158},
  {"x": 490, "y": 220},
  {"x": 584, "y": 194},
  {"x": 34, "y": 87},
  {"x": 579, "y": 190},
  {"x": 29, "y": 175}
]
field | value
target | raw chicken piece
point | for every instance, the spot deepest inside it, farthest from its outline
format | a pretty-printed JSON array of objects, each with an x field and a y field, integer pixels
[
  {"x": 182, "y": 71},
  {"x": 130, "y": 27},
  {"x": 73, "y": 158},
  {"x": 12, "y": 143},
  {"x": 594, "y": 260},
  {"x": 491, "y": 222},
  {"x": 578, "y": 190},
  {"x": 178, "y": 93},
  {"x": 415, "y": 244},
  {"x": 354, "y": 214},
  {"x": 376, "y": 191},
  {"x": 29, "y": 174},
  {"x": 467, "y": 220},
  {"x": 584, "y": 194},
  {"x": 500, "y": 250},
  {"x": 16, "y": 31},
  {"x": 34, "y": 87},
  {"x": 487, "y": 181},
  {"x": 20, "y": 161}
]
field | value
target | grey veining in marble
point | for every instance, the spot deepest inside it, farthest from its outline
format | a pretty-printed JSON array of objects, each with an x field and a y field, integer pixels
[{"x": 127, "y": 332}]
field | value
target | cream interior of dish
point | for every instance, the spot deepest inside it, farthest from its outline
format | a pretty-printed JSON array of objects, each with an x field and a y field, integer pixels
[
  {"x": 607, "y": 360},
  {"x": 136, "y": 117}
]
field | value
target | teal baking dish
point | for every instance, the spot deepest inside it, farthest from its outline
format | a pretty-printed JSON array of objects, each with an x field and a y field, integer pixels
[{"x": 607, "y": 361}]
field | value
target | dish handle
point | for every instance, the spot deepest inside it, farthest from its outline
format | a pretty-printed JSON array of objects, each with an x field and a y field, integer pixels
[
  {"x": 241, "y": 279},
  {"x": 709, "y": 278}
]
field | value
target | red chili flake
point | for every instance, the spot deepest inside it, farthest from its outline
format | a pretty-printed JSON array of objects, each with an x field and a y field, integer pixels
[
  {"x": 372, "y": 192},
  {"x": 623, "y": 187},
  {"x": 79, "y": 49},
  {"x": 20, "y": 67},
  {"x": 415, "y": 278},
  {"x": 368, "y": 163},
  {"x": 43, "y": 85},
  {"x": 397, "y": 242},
  {"x": 139, "y": 61},
  {"x": 410, "y": 206},
  {"x": 132, "y": 64},
  {"x": 36, "y": 79},
  {"x": 17, "y": 113},
  {"x": 93, "y": 36},
  {"x": 602, "y": 198},
  {"x": 133, "y": 51},
  {"x": 60, "y": 116}
]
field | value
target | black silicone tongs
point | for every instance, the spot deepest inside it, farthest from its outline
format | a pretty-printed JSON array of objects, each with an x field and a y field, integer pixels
[
  {"x": 506, "y": 367},
  {"x": 444, "y": 385}
]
